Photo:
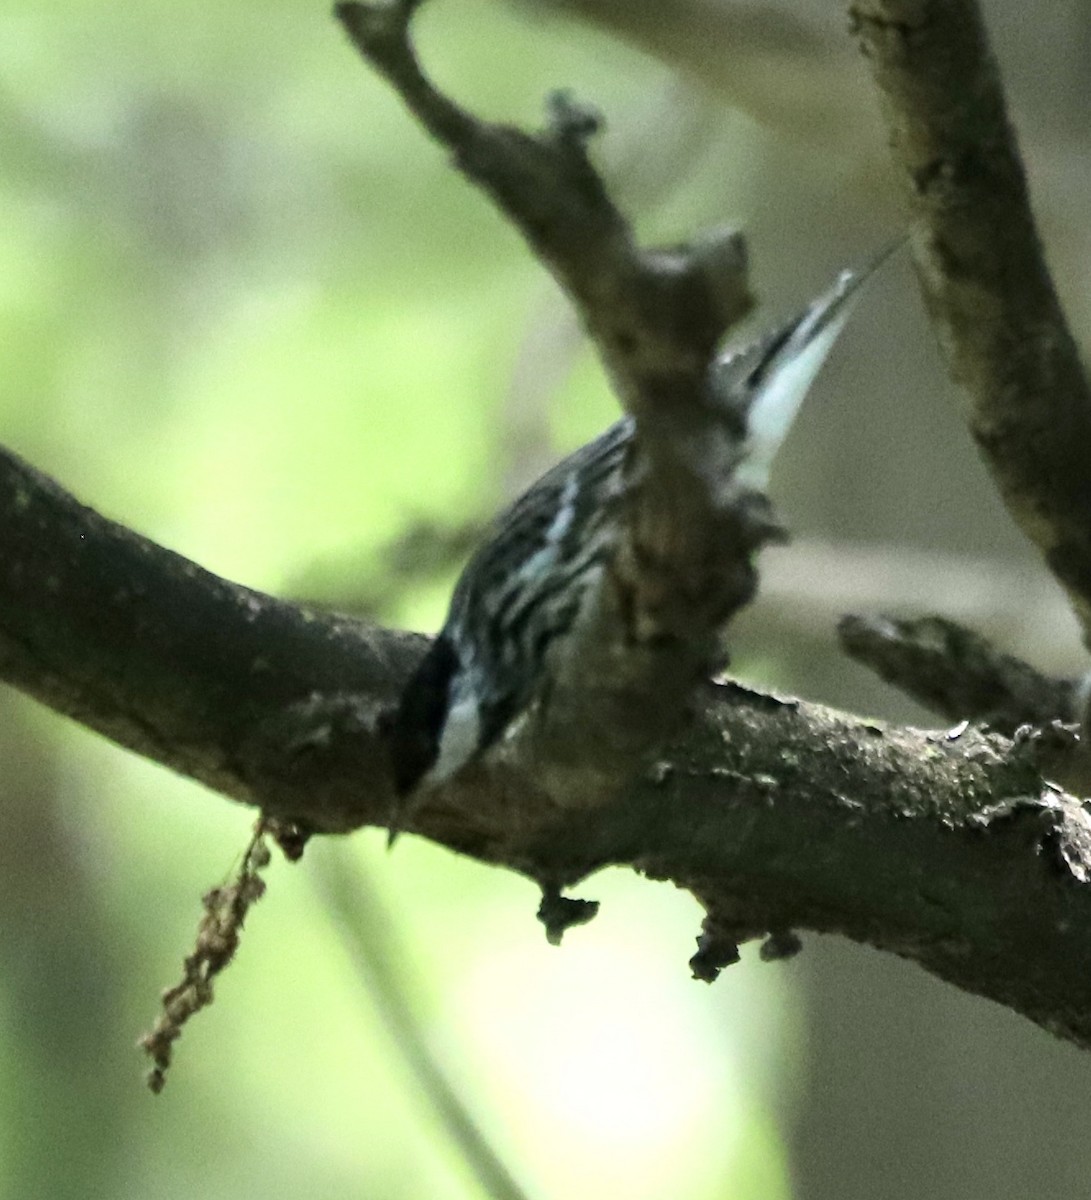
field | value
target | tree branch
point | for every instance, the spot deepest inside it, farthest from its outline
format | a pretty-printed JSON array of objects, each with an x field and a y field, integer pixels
[
  {"x": 945, "y": 848},
  {"x": 655, "y": 315},
  {"x": 775, "y": 814},
  {"x": 683, "y": 565},
  {"x": 167, "y": 659},
  {"x": 982, "y": 271},
  {"x": 957, "y": 673}
]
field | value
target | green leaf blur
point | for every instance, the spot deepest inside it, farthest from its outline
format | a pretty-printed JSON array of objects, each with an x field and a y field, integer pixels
[{"x": 247, "y": 308}]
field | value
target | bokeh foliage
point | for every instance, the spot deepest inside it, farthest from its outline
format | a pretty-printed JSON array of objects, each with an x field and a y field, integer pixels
[{"x": 246, "y": 308}]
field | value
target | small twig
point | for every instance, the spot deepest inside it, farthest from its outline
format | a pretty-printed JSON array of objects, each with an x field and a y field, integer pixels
[
  {"x": 366, "y": 931},
  {"x": 225, "y": 911},
  {"x": 805, "y": 592},
  {"x": 956, "y": 672}
]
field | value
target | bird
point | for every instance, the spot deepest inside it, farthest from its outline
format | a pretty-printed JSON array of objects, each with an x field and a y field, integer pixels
[{"x": 522, "y": 591}]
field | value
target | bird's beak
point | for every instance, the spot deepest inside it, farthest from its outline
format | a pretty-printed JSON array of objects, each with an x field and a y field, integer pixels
[{"x": 793, "y": 359}]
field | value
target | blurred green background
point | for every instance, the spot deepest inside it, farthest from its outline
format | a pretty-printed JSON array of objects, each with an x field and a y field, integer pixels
[{"x": 247, "y": 308}]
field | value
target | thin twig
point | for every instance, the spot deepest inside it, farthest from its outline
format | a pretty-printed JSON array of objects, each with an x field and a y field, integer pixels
[
  {"x": 366, "y": 930},
  {"x": 957, "y": 673}
]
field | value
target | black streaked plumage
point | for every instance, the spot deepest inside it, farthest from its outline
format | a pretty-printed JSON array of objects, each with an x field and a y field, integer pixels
[{"x": 524, "y": 588}]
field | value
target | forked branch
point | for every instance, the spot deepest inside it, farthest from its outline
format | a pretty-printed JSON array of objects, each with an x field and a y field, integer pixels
[{"x": 948, "y": 848}]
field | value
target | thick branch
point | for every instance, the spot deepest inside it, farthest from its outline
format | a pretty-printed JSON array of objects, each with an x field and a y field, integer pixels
[
  {"x": 982, "y": 271},
  {"x": 163, "y": 657},
  {"x": 945, "y": 848},
  {"x": 776, "y": 815}
]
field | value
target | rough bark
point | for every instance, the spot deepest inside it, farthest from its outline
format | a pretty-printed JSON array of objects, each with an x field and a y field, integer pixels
[
  {"x": 949, "y": 848},
  {"x": 983, "y": 273}
]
